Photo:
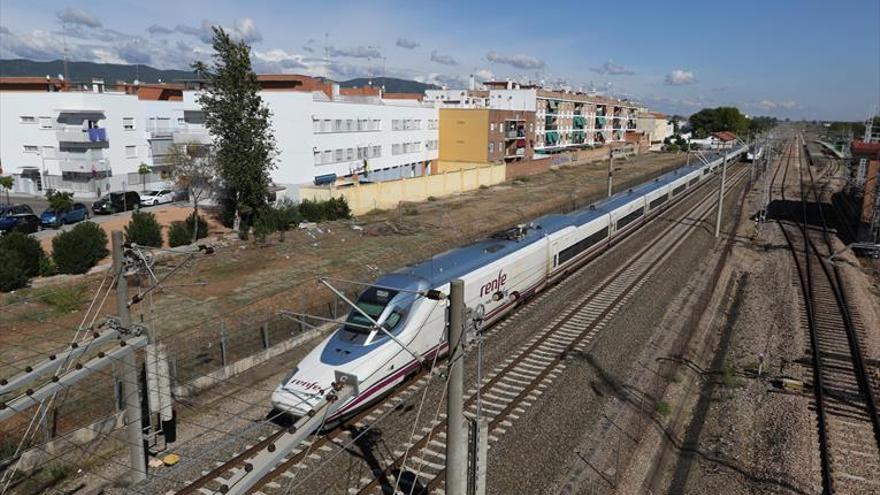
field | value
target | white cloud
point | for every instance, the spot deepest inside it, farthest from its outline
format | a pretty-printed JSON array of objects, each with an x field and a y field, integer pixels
[
  {"x": 157, "y": 29},
  {"x": 778, "y": 105},
  {"x": 407, "y": 43},
  {"x": 442, "y": 59},
  {"x": 79, "y": 17},
  {"x": 245, "y": 29},
  {"x": 679, "y": 77},
  {"x": 484, "y": 75},
  {"x": 611, "y": 69},
  {"x": 355, "y": 52},
  {"x": 519, "y": 60}
]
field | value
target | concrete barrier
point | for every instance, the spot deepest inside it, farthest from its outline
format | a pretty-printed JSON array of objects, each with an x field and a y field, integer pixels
[{"x": 363, "y": 198}]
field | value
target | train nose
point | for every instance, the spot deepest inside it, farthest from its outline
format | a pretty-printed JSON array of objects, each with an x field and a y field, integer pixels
[{"x": 296, "y": 404}]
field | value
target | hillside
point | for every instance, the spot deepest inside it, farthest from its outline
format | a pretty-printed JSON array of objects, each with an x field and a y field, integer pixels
[{"x": 85, "y": 71}]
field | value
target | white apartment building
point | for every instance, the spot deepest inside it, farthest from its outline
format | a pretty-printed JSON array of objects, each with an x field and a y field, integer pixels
[{"x": 93, "y": 141}]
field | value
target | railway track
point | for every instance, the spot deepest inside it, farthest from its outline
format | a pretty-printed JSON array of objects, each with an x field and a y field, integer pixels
[
  {"x": 511, "y": 387},
  {"x": 844, "y": 402},
  {"x": 505, "y": 393}
]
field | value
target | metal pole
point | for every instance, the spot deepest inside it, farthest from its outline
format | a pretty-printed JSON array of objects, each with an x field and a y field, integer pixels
[
  {"x": 610, "y": 170},
  {"x": 130, "y": 391},
  {"x": 721, "y": 196},
  {"x": 456, "y": 429}
]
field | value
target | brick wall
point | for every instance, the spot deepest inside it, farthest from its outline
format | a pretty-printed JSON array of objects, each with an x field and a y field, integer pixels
[{"x": 527, "y": 167}]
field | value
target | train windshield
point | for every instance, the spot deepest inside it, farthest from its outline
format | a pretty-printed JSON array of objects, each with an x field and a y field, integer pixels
[{"x": 372, "y": 302}]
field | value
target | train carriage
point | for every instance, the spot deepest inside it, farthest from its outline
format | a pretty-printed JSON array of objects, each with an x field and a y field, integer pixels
[{"x": 393, "y": 329}]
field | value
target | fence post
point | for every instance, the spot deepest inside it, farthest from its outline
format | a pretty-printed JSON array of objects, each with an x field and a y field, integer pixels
[
  {"x": 222, "y": 344},
  {"x": 264, "y": 330}
]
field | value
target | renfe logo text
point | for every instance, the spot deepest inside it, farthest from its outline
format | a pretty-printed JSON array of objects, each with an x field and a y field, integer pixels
[{"x": 494, "y": 285}]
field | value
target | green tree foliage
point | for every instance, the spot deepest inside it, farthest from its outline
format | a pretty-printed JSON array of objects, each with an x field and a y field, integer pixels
[
  {"x": 28, "y": 250},
  {"x": 760, "y": 125},
  {"x": 181, "y": 233},
  {"x": 80, "y": 248},
  {"x": 280, "y": 218},
  {"x": 319, "y": 211},
  {"x": 144, "y": 171},
  {"x": 59, "y": 201},
  {"x": 238, "y": 119},
  {"x": 12, "y": 275},
  {"x": 709, "y": 120},
  {"x": 6, "y": 182},
  {"x": 144, "y": 229}
]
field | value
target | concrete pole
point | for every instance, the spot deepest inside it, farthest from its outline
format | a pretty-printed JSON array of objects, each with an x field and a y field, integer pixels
[
  {"x": 130, "y": 390},
  {"x": 610, "y": 171},
  {"x": 456, "y": 429},
  {"x": 721, "y": 196}
]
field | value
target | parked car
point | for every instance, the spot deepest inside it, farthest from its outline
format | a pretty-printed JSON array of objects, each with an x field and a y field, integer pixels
[
  {"x": 116, "y": 201},
  {"x": 12, "y": 215},
  {"x": 52, "y": 218},
  {"x": 153, "y": 198},
  {"x": 26, "y": 223}
]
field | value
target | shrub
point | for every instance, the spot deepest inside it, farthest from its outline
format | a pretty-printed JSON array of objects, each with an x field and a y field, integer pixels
[
  {"x": 319, "y": 211},
  {"x": 432, "y": 198},
  {"x": 80, "y": 248},
  {"x": 410, "y": 211},
  {"x": 180, "y": 233},
  {"x": 664, "y": 408},
  {"x": 12, "y": 274},
  {"x": 47, "y": 267},
  {"x": 28, "y": 250},
  {"x": 144, "y": 229}
]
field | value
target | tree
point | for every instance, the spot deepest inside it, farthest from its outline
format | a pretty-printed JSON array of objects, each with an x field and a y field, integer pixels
[
  {"x": 6, "y": 182},
  {"x": 193, "y": 168},
  {"x": 59, "y": 201},
  {"x": 144, "y": 171},
  {"x": 238, "y": 119},
  {"x": 709, "y": 120}
]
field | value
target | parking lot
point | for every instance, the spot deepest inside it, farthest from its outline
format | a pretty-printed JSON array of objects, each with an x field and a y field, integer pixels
[{"x": 165, "y": 214}]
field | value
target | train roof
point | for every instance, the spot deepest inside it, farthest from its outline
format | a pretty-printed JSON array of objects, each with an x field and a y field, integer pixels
[{"x": 457, "y": 262}]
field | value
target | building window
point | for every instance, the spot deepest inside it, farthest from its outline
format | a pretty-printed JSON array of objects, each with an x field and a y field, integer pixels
[
  {"x": 337, "y": 125},
  {"x": 491, "y": 126},
  {"x": 27, "y": 119},
  {"x": 377, "y": 150},
  {"x": 337, "y": 154},
  {"x": 30, "y": 148},
  {"x": 128, "y": 123},
  {"x": 45, "y": 122},
  {"x": 131, "y": 152},
  {"x": 316, "y": 125},
  {"x": 491, "y": 147},
  {"x": 317, "y": 157},
  {"x": 395, "y": 149},
  {"x": 328, "y": 156},
  {"x": 396, "y": 125}
]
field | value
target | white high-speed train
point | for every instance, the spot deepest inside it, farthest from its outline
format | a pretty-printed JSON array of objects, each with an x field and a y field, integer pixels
[{"x": 498, "y": 272}]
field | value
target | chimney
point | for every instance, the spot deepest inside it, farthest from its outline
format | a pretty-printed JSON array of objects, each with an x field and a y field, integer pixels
[
  {"x": 509, "y": 84},
  {"x": 472, "y": 83},
  {"x": 335, "y": 90}
]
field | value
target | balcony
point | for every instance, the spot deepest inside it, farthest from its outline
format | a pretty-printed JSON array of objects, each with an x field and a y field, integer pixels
[{"x": 82, "y": 139}]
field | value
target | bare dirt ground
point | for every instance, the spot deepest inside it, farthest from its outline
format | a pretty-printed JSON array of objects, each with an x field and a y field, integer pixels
[
  {"x": 731, "y": 430},
  {"x": 245, "y": 278},
  {"x": 246, "y": 282}
]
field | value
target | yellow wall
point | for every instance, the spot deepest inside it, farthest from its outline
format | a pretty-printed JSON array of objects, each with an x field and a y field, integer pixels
[
  {"x": 464, "y": 134},
  {"x": 385, "y": 195},
  {"x": 441, "y": 166}
]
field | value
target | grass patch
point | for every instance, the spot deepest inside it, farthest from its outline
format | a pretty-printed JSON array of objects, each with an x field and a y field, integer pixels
[
  {"x": 521, "y": 180},
  {"x": 728, "y": 376},
  {"x": 432, "y": 198},
  {"x": 663, "y": 408},
  {"x": 483, "y": 187}
]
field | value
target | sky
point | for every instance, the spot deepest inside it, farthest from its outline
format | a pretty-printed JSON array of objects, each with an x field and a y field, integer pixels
[{"x": 790, "y": 59}]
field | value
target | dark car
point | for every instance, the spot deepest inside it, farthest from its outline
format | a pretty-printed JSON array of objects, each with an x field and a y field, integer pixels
[
  {"x": 116, "y": 201},
  {"x": 13, "y": 215},
  {"x": 52, "y": 218}
]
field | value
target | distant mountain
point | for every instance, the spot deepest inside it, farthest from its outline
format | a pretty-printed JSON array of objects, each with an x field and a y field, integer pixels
[
  {"x": 392, "y": 85},
  {"x": 85, "y": 71}
]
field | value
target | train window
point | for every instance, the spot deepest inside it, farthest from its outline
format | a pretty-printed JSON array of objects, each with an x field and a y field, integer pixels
[
  {"x": 629, "y": 217},
  {"x": 659, "y": 201},
  {"x": 694, "y": 181},
  {"x": 678, "y": 190},
  {"x": 372, "y": 302},
  {"x": 706, "y": 170},
  {"x": 582, "y": 245}
]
